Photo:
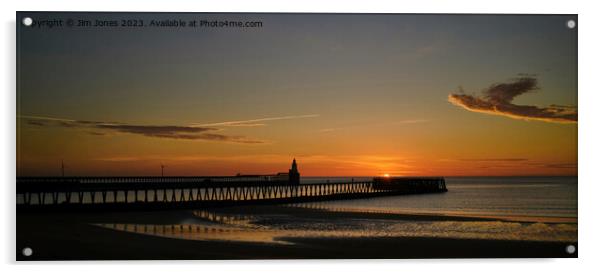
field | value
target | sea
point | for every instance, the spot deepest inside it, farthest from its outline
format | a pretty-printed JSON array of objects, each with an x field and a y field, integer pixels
[{"x": 529, "y": 197}]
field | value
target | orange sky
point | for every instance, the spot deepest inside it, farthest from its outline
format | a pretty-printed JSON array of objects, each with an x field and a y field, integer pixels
[
  {"x": 356, "y": 95},
  {"x": 417, "y": 148}
]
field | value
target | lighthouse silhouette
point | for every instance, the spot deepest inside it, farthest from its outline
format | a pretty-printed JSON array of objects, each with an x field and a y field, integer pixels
[{"x": 293, "y": 174}]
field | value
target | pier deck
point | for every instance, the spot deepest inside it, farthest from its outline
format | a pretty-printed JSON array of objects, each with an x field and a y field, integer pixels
[{"x": 89, "y": 193}]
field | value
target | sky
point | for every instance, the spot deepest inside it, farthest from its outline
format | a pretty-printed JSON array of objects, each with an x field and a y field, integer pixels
[{"x": 346, "y": 95}]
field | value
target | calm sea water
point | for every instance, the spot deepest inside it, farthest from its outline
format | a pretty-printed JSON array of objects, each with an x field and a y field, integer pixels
[{"x": 482, "y": 196}]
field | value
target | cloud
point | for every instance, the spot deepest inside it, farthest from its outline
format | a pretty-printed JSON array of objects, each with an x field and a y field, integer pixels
[
  {"x": 256, "y": 158},
  {"x": 494, "y": 159},
  {"x": 238, "y": 139},
  {"x": 364, "y": 125},
  {"x": 254, "y": 122},
  {"x": 37, "y": 122},
  {"x": 497, "y": 100},
  {"x": 158, "y": 131},
  {"x": 169, "y": 131},
  {"x": 561, "y": 165},
  {"x": 410, "y": 121},
  {"x": 498, "y": 163}
]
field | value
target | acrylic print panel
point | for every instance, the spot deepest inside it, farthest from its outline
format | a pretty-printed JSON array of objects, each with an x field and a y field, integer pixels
[{"x": 295, "y": 136}]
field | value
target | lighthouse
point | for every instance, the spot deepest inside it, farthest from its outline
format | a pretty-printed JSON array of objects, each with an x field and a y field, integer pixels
[{"x": 293, "y": 174}]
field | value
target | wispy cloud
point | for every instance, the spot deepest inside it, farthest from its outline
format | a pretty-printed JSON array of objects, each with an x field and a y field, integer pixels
[
  {"x": 511, "y": 163},
  {"x": 253, "y": 122},
  {"x": 158, "y": 131},
  {"x": 261, "y": 158},
  {"x": 561, "y": 165},
  {"x": 365, "y": 125},
  {"x": 494, "y": 159},
  {"x": 497, "y": 100},
  {"x": 409, "y": 121}
]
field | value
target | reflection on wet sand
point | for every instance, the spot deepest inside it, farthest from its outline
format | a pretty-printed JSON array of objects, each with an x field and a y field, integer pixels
[
  {"x": 238, "y": 220},
  {"x": 197, "y": 232},
  {"x": 327, "y": 206},
  {"x": 277, "y": 227}
]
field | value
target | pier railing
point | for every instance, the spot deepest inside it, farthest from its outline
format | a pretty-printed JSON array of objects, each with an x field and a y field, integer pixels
[{"x": 190, "y": 192}]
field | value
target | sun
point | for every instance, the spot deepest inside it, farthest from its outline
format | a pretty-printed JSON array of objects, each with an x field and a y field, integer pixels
[{"x": 386, "y": 175}]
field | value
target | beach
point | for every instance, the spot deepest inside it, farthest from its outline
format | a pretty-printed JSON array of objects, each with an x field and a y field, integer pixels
[{"x": 88, "y": 236}]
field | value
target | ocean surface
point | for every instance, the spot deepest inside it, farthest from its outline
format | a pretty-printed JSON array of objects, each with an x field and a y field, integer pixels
[
  {"x": 544, "y": 197},
  {"x": 500, "y": 208}
]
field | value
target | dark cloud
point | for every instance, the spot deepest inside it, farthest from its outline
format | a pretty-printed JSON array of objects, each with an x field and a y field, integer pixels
[
  {"x": 159, "y": 131},
  {"x": 561, "y": 166},
  {"x": 168, "y": 131},
  {"x": 37, "y": 122},
  {"x": 238, "y": 139},
  {"x": 67, "y": 124},
  {"x": 497, "y": 100}
]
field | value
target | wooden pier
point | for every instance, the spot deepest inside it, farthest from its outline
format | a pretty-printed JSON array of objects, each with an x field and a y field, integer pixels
[{"x": 106, "y": 193}]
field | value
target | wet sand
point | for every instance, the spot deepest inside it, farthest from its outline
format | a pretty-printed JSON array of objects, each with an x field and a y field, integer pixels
[
  {"x": 330, "y": 214},
  {"x": 70, "y": 236}
]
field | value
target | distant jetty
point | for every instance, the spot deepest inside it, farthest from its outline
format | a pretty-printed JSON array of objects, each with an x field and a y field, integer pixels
[{"x": 172, "y": 192}]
